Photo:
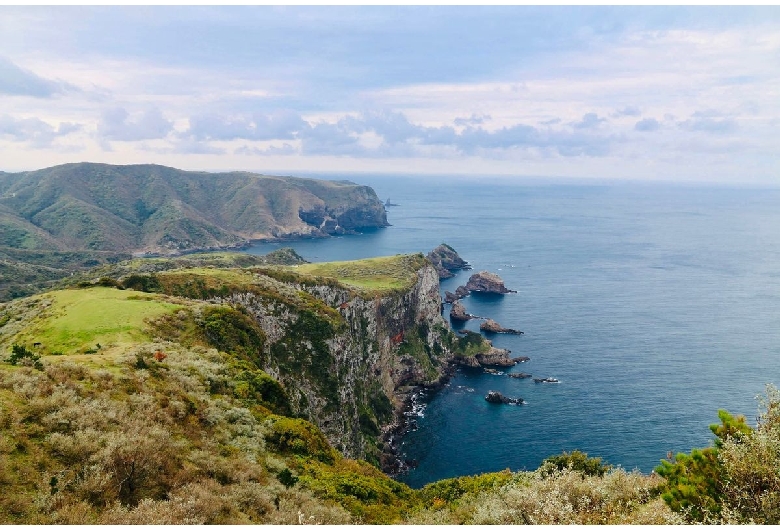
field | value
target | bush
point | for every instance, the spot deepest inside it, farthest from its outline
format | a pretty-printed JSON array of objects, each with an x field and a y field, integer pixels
[
  {"x": 21, "y": 355},
  {"x": 694, "y": 483},
  {"x": 575, "y": 461},
  {"x": 299, "y": 437}
]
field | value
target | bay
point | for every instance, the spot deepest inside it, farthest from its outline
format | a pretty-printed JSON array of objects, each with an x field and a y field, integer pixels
[{"x": 653, "y": 304}]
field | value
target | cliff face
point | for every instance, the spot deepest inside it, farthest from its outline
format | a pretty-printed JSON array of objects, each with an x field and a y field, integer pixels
[{"x": 349, "y": 372}]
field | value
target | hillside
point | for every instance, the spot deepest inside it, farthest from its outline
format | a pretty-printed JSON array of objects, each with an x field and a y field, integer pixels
[
  {"x": 69, "y": 217},
  {"x": 206, "y": 389},
  {"x": 194, "y": 393}
]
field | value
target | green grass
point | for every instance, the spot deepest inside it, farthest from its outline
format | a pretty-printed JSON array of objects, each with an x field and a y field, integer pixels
[
  {"x": 78, "y": 320},
  {"x": 371, "y": 274}
]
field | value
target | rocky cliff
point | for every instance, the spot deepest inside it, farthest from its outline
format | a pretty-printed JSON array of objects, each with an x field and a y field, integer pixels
[{"x": 348, "y": 358}]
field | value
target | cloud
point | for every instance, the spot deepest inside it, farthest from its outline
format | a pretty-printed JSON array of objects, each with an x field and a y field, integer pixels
[
  {"x": 627, "y": 111},
  {"x": 590, "y": 120},
  {"x": 33, "y": 130},
  {"x": 282, "y": 124},
  {"x": 647, "y": 125},
  {"x": 336, "y": 139},
  {"x": 17, "y": 81},
  {"x": 709, "y": 121},
  {"x": 284, "y": 149},
  {"x": 473, "y": 120},
  {"x": 149, "y": 125}
]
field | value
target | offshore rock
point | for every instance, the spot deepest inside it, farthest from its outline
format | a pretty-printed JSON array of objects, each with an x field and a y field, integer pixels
[
  {"x": 495, "y": 357},
  {"x": 487, "y": 282},
  {"x": 492, "y": 326},
  {"x": 460, "y": 292},
  {"x": 520, "y": 375},
  {"x": 497, "y": 397},
  {"x": 458, "y": 312},
  {"x": 446, "y": 261}
]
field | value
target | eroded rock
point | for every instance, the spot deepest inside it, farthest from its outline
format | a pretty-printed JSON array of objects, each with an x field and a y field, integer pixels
[
  {"x": 491, "y": 326},
  {"x": 487, "y": 282},
  {"x": 446, "y": 261},
  {"x": 497, "y": 397}
]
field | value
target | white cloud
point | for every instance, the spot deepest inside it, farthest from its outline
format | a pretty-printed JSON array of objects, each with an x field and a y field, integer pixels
[{"x": 117, "y": 124}]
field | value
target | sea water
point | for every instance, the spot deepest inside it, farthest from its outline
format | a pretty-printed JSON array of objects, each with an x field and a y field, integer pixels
[{"x": 654, "y": 305}]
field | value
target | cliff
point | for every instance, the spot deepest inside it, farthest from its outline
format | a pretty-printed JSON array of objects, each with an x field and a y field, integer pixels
[{"x": 348, "y": 341}]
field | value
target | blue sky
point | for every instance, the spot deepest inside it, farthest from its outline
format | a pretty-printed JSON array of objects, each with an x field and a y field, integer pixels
[{"x": 661, "y": 93}]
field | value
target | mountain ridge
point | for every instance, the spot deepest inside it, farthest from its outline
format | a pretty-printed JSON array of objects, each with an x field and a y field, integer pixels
[{"x": 149, "y": 209}]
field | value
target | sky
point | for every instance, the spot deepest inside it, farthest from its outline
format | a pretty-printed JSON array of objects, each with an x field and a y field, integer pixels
[{"x": 658, "y": 93}]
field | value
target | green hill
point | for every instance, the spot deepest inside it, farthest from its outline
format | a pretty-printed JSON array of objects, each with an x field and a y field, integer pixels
[{"x": 105, "y": 213}]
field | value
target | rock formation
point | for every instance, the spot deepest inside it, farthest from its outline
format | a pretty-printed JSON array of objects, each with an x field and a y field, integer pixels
[
  {"x": 458, "y": 312},
  {"x": 495, "y": 357},
  {"x": 460, "y": 292},
  {"x": 497, "y": 397},
  {"x": 446, "y": 261},
  {"x": 487, "y": 282},
  {"x": 546, "y": 380},
  {"x": 520, "y": 375},
  {"x": 491, "y": 326}
]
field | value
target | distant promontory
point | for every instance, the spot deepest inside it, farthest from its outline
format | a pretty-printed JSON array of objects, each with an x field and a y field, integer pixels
[{"x": 74, "y": 216}]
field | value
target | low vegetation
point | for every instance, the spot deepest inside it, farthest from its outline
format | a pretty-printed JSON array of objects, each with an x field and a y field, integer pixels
[
  {"x": 372, "y": 274},
  {"x": 134, "y": 399}
]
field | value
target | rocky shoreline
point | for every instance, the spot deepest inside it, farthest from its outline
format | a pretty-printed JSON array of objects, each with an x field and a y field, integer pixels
[{"x": 446, "y": 261}]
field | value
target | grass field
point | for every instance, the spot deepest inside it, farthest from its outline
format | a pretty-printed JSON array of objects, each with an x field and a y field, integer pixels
[
  {"x": 78, "y": 320},
  {"x": 373, "y": 274}
]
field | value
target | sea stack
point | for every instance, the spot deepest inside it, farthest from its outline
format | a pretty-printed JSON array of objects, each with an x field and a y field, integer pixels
[
  {"x": 458, "y": 312},
  {"x": 487, "y": 282},
  {"x": 497, "y": 397}
]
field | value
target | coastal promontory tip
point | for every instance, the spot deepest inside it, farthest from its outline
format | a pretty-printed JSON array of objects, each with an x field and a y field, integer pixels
[{"x": 446, "y": 261}]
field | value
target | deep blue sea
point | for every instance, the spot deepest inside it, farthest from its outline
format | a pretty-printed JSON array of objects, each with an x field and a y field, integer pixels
[{"x": 653, "y": 304}]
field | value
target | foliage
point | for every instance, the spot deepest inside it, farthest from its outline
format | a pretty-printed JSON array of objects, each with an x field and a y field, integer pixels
[
  {"x": 230, "y": 330},
  {"x": 363, "y": 490},
  {"x": 574, "y": 461},
  {"x": 751, "y": 468},
  {"x": 21, "y": 355},
  {"x": 563, "y": 497},
  {"x": 297, "y": 436},
  {"x": 694, "y": 482}
]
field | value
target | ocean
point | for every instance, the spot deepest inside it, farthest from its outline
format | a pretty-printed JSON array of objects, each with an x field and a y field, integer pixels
[{"x": 654, "y": 305}]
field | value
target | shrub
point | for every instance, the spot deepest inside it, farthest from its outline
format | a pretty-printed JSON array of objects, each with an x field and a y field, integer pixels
[
  {"x": 21, "y": 355},
  {"x": 575, "y": 461},
  {"x": 299, "y": 437}
]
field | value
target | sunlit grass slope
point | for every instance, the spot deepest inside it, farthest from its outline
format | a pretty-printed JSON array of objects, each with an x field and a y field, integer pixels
[
  {"x": 372, "y": 274},
  {"x": 76, "y": 321}
]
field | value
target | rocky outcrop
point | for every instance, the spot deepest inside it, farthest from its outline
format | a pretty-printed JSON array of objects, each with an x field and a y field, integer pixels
[
  {"x": 495, "y": 357},
  {"x": 458, "y": 312},
  {"x": 446, "y": 261},
  {"x": 491, "y": 326},
  {"x": 460, "y": 292},
  {"x": 520, "y": 375},
  {"x": 497, "y": 397},
  {"x": 487, "y": 282},
  {"x": 350, "y": 363}
]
